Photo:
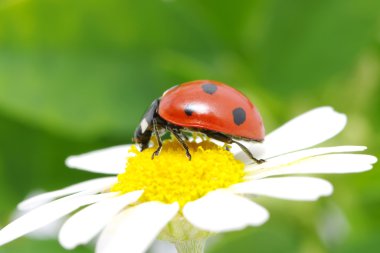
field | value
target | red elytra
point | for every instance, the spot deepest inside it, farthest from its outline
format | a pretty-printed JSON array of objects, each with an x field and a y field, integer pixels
[
  {"x": 212, "y": 105},
  {"x": 212, "y": 108}
]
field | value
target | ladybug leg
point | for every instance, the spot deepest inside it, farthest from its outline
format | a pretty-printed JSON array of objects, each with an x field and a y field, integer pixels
[
  {"x": 247, "y": 152},
  {"x": 155, "y": 129},
  {"x": 180, "y": 133},
  {"x": 229, "y": 140},
  {"x": 175, "y": 132}
]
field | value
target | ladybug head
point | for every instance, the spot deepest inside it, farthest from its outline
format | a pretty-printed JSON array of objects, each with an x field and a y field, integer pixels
[
  {"x": 142, "y": 139},
  {"x": 144, "y": 130}
]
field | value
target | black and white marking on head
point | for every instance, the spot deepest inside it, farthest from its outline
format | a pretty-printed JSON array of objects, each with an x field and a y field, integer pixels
[
  {"x": 144, "y": 125},
  {"x": 143, "y": 131},
  {"x": 188, "y": 110},
  {"x": 239, "y": 115},
  {"x": 209, "y": 88}
]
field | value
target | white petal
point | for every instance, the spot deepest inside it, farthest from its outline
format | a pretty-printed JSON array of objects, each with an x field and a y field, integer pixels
[
  {"x": 111, "y": 160},
  {"x": 47, "y": 232},
  {"x": 135, "y": 229},
  {"x": 46, "y": 214},
  {"x": 87, "y": 223},
  {"x": 334, "y": 164},
  {"x": 292, "y": 188},
  {"x": 292, "y": 157},
  {"x": 306, "y": 130},
  {"x": 89, "y": 187},
  {"x": 221, "y": 210},
  {"x": 162, "y": 247}
]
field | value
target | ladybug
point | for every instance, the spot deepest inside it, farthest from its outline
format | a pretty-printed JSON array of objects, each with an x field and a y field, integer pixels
[{"x": 212, "y": 108}]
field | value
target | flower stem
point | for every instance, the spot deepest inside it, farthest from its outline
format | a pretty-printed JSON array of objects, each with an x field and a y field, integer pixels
[{"x": 190, "y": 246}]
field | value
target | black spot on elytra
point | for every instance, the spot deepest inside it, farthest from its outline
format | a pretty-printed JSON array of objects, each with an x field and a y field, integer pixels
[
  {"x": 209, "y": 88},
  {"x": 188, "y": 110},
  {"x": 239, "y": 115}
]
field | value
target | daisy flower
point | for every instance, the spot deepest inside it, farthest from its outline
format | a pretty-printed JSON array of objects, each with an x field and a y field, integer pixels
[{"x": 184, "y": 202}]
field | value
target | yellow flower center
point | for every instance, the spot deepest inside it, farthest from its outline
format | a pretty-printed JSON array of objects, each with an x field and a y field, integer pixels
[{"x": 171, "y": 177}]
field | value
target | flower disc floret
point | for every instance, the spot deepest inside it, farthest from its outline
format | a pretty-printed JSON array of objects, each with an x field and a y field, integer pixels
[{"x": 171, "y": 177}]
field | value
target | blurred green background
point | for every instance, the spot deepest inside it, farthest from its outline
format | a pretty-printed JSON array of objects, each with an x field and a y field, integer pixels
[{"x": 76, "y": 75}]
